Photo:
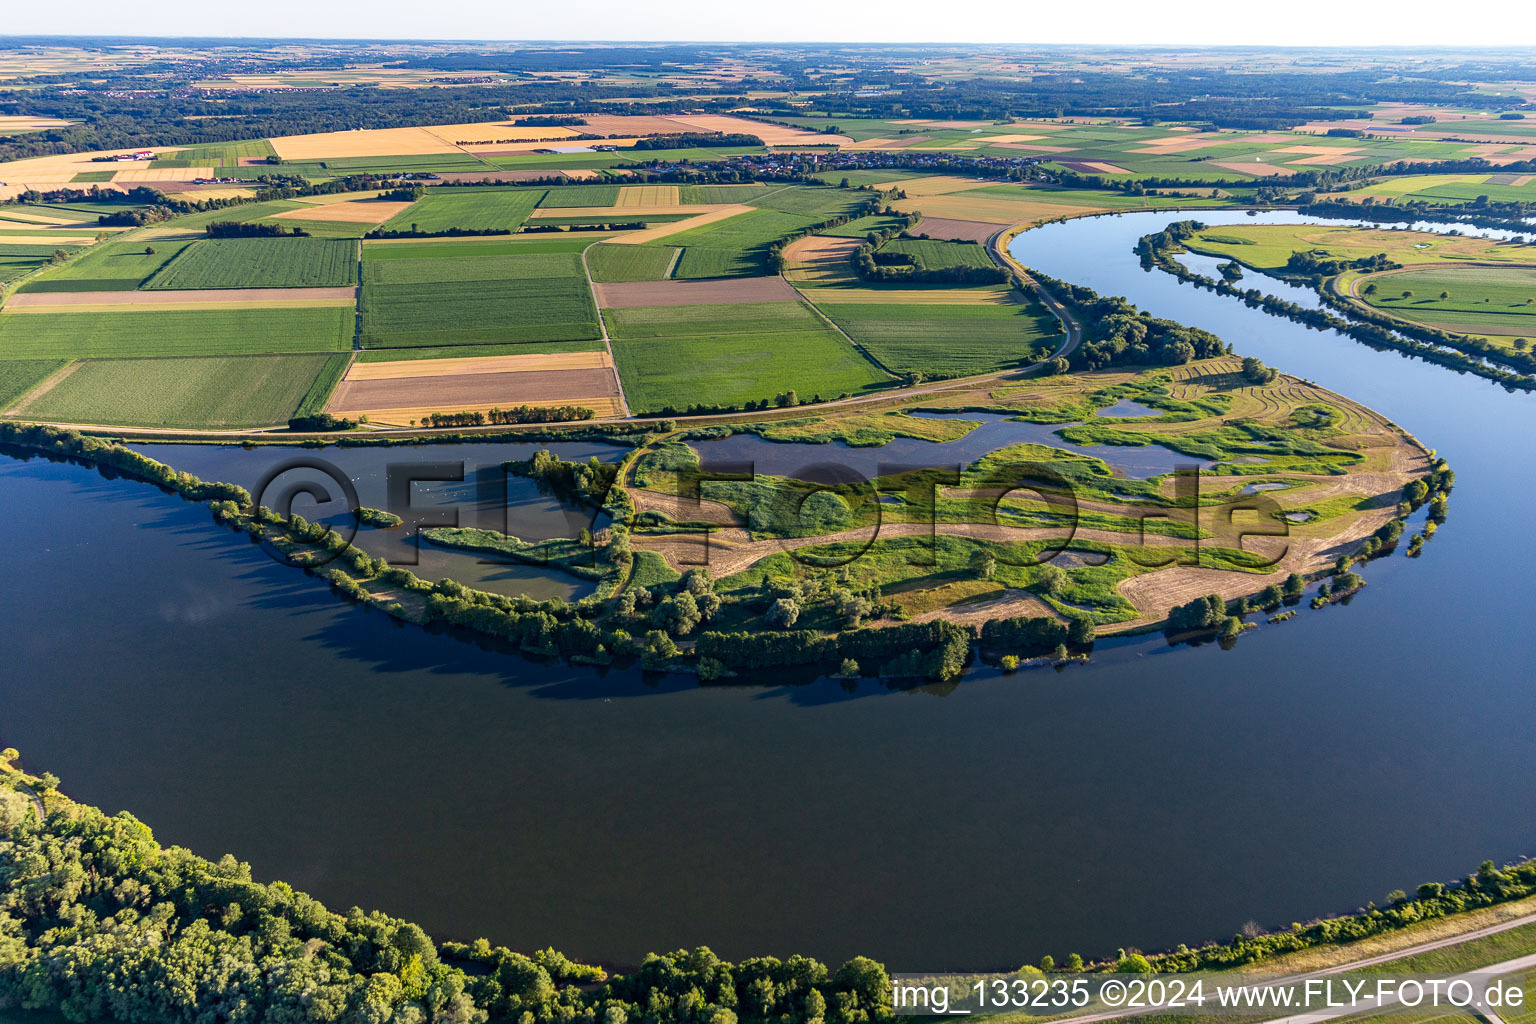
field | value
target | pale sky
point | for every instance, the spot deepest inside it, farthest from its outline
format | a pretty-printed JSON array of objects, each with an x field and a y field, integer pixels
[{"x": 1302, "y": 23}]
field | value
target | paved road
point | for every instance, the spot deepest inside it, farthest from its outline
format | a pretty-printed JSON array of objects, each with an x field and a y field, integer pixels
[{"x": 1522, "y": 963}]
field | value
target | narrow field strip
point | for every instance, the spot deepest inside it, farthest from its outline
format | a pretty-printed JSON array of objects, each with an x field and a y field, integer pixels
[
  {"x": 185, "y": 298},
  {"x": 693, "y": 293},
  {"x": 410, "y": 368}
]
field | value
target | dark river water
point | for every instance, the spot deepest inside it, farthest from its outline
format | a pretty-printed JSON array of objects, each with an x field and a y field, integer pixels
[{"x": 1158, "y": 795}]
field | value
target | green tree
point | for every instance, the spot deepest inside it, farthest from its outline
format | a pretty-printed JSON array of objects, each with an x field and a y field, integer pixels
[{"x": 1052, "y": 579}]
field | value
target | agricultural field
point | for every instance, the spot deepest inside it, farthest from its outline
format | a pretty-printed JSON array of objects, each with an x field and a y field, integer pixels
[
  {"x": 1445, "y": 188},
  {"x": 735, "y": 246},
  {"x": 260, "y": 263},
  {"x": 443, "y": 248},
  {"x": 736, "y": 318},
  {"x": 483, "y": 311},
  {"x": 399, "y": 392},
  {"x": 948, "y": 340},
  {"x": 940, "y": 255},
  {"x": 81, "y": 335},
  {"x": 19, "y": 376},
  {"x": 446, "y": 208},
  {"x": 1494, "y": 301},
  {"x": 118, "y": 265},
  {"x": 614, "y": 263},
  {"x": 1269, "y": 246},
  {"x": 476, "y": 268},
  {"x": 203, "y": 391},
  {"x": 731, "y": 353},
  {"x": 20, "y": 260},
  {"x": 569, "y": 196},
  {"x": 731, "y": 369}
]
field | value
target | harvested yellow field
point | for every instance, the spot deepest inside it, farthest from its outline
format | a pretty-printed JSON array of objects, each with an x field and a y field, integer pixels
[
  {"x": 999, "y": 296},
  {"x": 151, "y": 174},
  {"x": 490, "y": 132},
  {"x": 26, "y": 122},
  {"x": 220, "y": 193},
  {"x": 874, "y": 144},
  {"x": 586, "y": 174},
  {"x": 1104, "y": 168},
  {"x": 649, "y": 195},
  {"x": 819, "y": 259},
  {"x": 651, "y": 234},
  {"x": 1181, "y": 143},
  {"x": 64, "y": 166},
  {"x": 934, "y": 185},
  {"x": 403, "y": 368},
  {"x": 364, "y": 142},
  {"x": 49, "y": 219},
  {"x": 990, "y": 210},
  {"x": 54, "y": 239},
  {"x": 509, "y": 148},
  {"x": 360, "y": 211},
  {"x": 634, "y": 124}
]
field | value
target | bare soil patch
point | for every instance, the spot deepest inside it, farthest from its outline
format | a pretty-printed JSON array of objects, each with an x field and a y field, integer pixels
[
  {"x": 956, "y": 230},
  {"x": 455, "y": 392}
]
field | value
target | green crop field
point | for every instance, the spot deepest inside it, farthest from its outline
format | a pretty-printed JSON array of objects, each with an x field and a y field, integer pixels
[
  {"x": 18, "y": 376},
  {"x": 232, "y": 391},
  {"x": 174, "y": 333},
  {"x": 814, "y": 201},
  {"x": 17, "y": 260},
  {"x": 940, "y": 255},
  {"x": 469, "y": 209},
  {"x": 733, "y": 369},
  {"x": 110, "y": 266},
  {"x": 391, "y": 355},
  {"x": 861, "y": 226},
  {"x": 479, "y": 268},
  {"x": 713, "y": 194},
  {"x": 581, "y": 195},
  {"x": 610, "y": 263},
  {"x": 261, "y": 263},
  {"x": 469, "y": 312},
  {"x": 948, "y": 341},
  {"x": 733, "y": 247},
  {"x": 499, "y": 245},
  {"x": 737, "y": 318},
  {"x": 1480, "y": 300}
]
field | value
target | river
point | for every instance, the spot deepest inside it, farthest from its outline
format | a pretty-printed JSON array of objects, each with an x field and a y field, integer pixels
[{"x": 1158, "y": 795}]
